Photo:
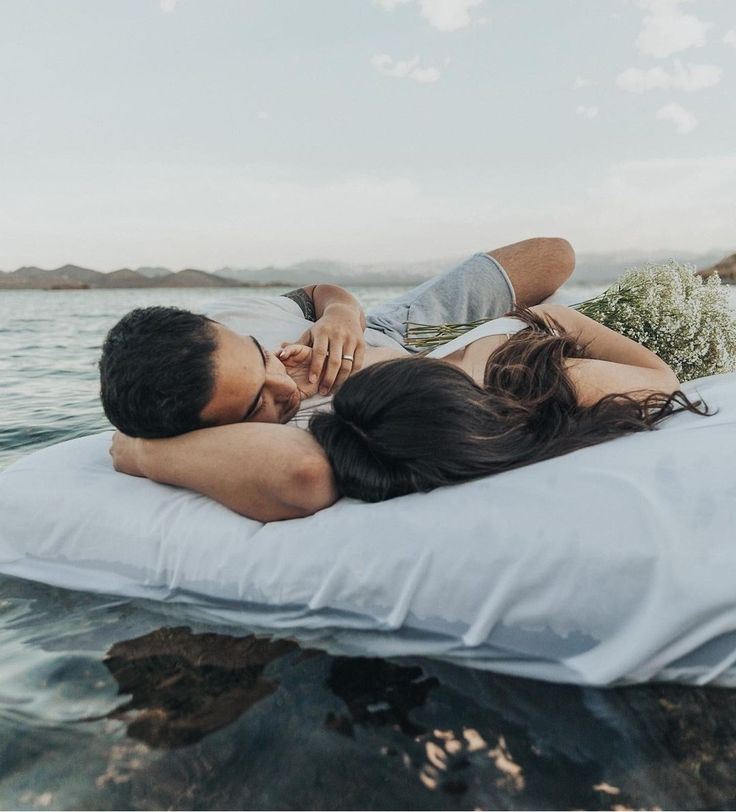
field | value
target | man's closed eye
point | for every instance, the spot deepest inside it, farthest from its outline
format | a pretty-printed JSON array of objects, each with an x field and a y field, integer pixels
[{"x": 255, "y": 411}]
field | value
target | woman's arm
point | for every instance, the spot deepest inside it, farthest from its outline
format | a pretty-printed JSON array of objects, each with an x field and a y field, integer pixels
[
  {"x": 593, "y": 379},
  {"x": 614, "y": 364},
  {"x": 264, "y": 471},
  {"x": 601, "y": 342}
]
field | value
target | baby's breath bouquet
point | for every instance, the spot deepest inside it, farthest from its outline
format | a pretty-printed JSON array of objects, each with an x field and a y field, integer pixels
[{"x": 686, "y": 320}]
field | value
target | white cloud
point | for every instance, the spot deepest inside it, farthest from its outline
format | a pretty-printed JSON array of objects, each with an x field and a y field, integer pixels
[
  {"x": 263, "y": 115},
  {"x": 408, "y": 69},
  {"x": 695, "y": 77},
  {"x": 586, "y": 112},
  {"x": 444, "y": 15},
  {"x": 581, "y": 81},
  {"x": 168, "y": 5},
  {"x": 667, "y": 30},
  {"x": 637, "y": 81},
  {"x": 448, "y": 15},
  {"x": 390, "y": 5},
  {"x": 730, "y": 37},
  {"x": 683, "y": 119},
  {"x": 385, "y": 64},
  {"x": 425, "y": 75},
  {"x": 683, "y": 77}
]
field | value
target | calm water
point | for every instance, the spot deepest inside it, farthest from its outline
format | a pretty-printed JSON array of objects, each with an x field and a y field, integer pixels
[{"x": 108, "y": 703}]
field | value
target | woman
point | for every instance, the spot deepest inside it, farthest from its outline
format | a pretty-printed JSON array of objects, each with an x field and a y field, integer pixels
[{"x": 540, "y": 383}]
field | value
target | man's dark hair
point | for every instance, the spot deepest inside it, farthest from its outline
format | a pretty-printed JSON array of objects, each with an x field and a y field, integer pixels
[{"x": 157, "y": 371}]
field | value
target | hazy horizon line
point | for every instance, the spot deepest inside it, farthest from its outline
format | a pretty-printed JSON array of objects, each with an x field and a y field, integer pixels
[{"x": 659, "y": 253}]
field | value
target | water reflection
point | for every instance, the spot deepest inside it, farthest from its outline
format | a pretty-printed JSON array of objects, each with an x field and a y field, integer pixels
[
  {"x": 377, "y": 693},
  {"x": 184, "y": 686},
  {"x": 254, "y": 721}
]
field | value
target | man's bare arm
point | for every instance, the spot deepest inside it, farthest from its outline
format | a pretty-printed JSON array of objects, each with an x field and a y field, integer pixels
[
  {"x": 314, "y": 299},
  {"x": 536, "y": 267},
  {"x": 264, "y": 471}
]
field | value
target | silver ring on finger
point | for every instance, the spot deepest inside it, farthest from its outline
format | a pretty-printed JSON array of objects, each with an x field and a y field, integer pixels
[{"x": 348, "y": 358}]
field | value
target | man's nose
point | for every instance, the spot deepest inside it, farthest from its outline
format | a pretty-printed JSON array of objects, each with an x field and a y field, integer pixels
[{"x": 282, "y": 386}]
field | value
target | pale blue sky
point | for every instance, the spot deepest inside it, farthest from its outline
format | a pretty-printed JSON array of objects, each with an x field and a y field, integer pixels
[{"x": 247, "y": 132}]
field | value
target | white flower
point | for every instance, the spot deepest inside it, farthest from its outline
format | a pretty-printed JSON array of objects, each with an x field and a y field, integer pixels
[{"x": 684, "y": 319}]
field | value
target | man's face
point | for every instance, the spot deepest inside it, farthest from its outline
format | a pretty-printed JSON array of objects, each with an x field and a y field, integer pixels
[{"x": 251, "y": 383}]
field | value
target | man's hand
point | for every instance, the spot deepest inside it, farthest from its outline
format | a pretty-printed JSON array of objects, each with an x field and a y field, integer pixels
[
  {"x": 338, "y": 332},
  {"x": 126, "y": 454}
]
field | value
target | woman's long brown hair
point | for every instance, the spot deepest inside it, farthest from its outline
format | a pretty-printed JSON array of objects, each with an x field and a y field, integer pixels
[{"x": 414, "y": 424}]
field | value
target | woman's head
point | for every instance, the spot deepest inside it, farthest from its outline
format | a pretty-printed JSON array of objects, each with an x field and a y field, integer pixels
[
  {"x": 415, "y": 424},
  {"x": 402, "y": 426}
]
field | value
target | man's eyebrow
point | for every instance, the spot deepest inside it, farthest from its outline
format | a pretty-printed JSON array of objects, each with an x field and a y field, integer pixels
[{"x": 249, "y": 411}]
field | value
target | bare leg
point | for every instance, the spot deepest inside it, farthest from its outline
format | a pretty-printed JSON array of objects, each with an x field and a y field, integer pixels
[{"x": 536, "y": 267}]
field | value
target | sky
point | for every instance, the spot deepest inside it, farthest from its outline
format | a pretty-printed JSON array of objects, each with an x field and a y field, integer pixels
[{"x": 206, "y": 133}]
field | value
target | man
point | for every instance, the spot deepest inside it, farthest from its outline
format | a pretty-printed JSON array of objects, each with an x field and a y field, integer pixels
[
  {"x": 170, "y": 373},
  {"x": 166, "y": 371}
]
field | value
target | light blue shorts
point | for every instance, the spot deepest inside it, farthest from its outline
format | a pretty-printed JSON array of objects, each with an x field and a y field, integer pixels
[{"x": 477, "y": 288}]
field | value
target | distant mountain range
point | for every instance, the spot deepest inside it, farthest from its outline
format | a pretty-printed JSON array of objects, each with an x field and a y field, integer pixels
[
  {"x": 607, "y": 267},
  {"x": 592, "y": 268},
  {"x": 72, "y": 277}
]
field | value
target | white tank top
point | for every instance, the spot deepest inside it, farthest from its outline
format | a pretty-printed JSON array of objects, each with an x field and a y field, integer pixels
[{"x": 506, "y": 325}]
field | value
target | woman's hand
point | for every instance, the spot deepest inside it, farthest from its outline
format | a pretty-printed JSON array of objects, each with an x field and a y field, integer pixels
[
  {"x": 126, "y": 453},
  {"x": 297, "y": 358}
]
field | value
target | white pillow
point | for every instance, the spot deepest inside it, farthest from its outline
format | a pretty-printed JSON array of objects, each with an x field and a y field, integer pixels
[{"x": 614, "y": 563}]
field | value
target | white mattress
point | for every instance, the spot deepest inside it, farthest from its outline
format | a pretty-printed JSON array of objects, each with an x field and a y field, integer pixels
[{"x": 612, "y": 564}]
